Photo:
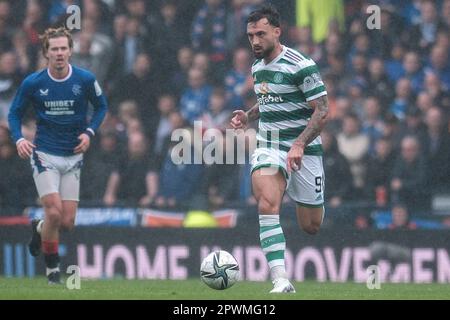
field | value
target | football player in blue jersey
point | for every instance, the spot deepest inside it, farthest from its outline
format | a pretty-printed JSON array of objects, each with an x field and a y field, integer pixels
[{"x": 60, "y": 96}]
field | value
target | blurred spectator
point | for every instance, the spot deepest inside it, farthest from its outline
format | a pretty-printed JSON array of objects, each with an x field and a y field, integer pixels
[
  {"x": 409, "y": 177},
  {"x": 361, "y": 46},
  {"x": 394, "y": 63},
  {"x": 236, "y": 78},
  {"x": 343, "y": 107},
  {"x": 135, "y": 183},
  {"x": 117, "y": 66},
  {"x": 128, "y": 110},
  {"x": 178, "y": 182},
  {"x": 26, "y": 57},
  {"x": 218, "y": 115},
  {"x": 372, "y": 125},
  {"x": 34, "y": 23},
  {"x": 379, "y": 170},
  {"x": 9, "y": 82},
  {"x": 439, "y": 65},
  {"x": 133, "y": 43},
  {"x": 413, "y": 125},
  {"x": 179, "y": 80},
  {"x": 168, "y": 37},
  {"x": 354, "y": 145},
  {"x": 87, "y": 55},
  {"x": 194, "y": 100},
  {"x": 422, "y": 35},
  {"x": 201, "y": 61},
  {"x": 400, "y": 218},
  {"x": 356, "y": 94},
  {"x": 424, "y": 101},
  {"x": 433, "y": 86},
  {"x": 358, "y": 66},
  {"x": 98, "y": 12},
  {"x": 436, "y": 147},
  {"x": 99, "y": 164},
  {"x": 16, "y": 185},
  {"x": 236, "y": 23},
  {"x": 137, "y": 9},
  {"x": 411, "y": 12},
  {"x": 306, "y": 45},
  {"x": 208, "y": 30},
  {"x": 412, "y": 70},
  {"x": 338, "y": 186},
  {"x": 166, "y": 105},
  {"x": 141, "y": 86},
  {"x": 379, "y": 84},
  {"x": 175, "y": 121},
  {"x": 392, "y": 130},
  {"x": 219, "y": 180},
  {"x": 403, "y": 98},
  {"x": 391, "y": 26}
]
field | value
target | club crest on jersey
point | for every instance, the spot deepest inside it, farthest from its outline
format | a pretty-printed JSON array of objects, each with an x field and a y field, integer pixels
[
  {"x": 264, "y": 88},
  {"x": 76, "y": 89},
  {"x": 278, "y": 77},
  {"x": 43, "y": 92}
]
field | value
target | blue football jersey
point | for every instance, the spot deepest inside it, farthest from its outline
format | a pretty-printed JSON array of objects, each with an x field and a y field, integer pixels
[{"x": 61, "y": 107}]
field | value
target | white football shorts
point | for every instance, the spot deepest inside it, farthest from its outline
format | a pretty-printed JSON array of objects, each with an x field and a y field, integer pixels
[
  {"x": 57, "y": 174},
  {"x": 305, "y": 186}
]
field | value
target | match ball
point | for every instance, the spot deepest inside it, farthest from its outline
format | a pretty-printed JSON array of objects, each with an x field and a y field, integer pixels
[{"x": 219, "y": 270}]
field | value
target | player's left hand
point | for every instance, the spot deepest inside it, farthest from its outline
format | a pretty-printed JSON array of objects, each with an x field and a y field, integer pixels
[
  {"x": 83, "y": 146},
  {"x": 294, "y": 158}
]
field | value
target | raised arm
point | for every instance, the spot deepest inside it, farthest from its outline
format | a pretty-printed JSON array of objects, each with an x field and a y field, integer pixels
[{"x": 242, "y": 118}]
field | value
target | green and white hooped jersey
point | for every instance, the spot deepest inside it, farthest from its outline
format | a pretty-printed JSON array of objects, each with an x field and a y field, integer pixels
[{"x": 283, "y": 88}]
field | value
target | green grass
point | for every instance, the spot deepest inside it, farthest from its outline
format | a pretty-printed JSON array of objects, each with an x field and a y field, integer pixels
[{"x": 194, "y": 289}]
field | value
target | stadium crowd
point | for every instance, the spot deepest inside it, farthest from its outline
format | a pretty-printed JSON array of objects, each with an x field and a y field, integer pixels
[{"x": 165, "y": 64}]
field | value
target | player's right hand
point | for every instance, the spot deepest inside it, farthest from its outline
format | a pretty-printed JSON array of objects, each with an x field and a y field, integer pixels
[
  {"x": 25, "y": 148},
  {"x": 240, "y": 119}
]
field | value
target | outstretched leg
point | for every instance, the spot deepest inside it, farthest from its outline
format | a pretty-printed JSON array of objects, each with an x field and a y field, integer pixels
[{"x": 268, "y": 188}]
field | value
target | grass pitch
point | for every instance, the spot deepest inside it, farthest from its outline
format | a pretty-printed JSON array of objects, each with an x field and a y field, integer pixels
[{"x": 194, "y": 289}]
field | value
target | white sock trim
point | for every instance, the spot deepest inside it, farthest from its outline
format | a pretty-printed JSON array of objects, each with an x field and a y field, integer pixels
[
  {"x": 48, "y": 271},
  {"x": 267, "y": 220},
  {"x": 39, "y": 226}
]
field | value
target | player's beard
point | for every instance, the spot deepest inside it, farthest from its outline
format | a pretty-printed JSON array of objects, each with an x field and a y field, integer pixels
[{"x": 264, "y": 53}]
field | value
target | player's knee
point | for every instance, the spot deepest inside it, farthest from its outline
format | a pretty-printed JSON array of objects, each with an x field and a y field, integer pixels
[
  {"x": 312, "y": 228},
  {"x": 267, "y": 206},
  {"x": 52, "y": 214}
]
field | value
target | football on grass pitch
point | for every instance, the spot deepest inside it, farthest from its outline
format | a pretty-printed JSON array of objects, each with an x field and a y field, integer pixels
[{"x": 219, "y": 270}]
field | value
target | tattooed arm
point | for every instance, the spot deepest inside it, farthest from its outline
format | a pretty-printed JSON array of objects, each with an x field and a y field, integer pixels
[
  {"x": 316, "y": 123},
  {"x": 312, "y": 130}
]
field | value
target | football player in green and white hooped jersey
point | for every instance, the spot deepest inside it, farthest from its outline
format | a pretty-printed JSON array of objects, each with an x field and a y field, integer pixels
[{"x": 292, "y": 109}]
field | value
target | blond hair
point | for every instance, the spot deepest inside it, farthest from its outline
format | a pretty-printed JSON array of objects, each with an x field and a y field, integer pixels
[{"x": 51, "y": 33}]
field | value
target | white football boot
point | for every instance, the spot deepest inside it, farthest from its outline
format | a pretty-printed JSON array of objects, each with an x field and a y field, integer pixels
[{"x": 282, "y": 285}]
